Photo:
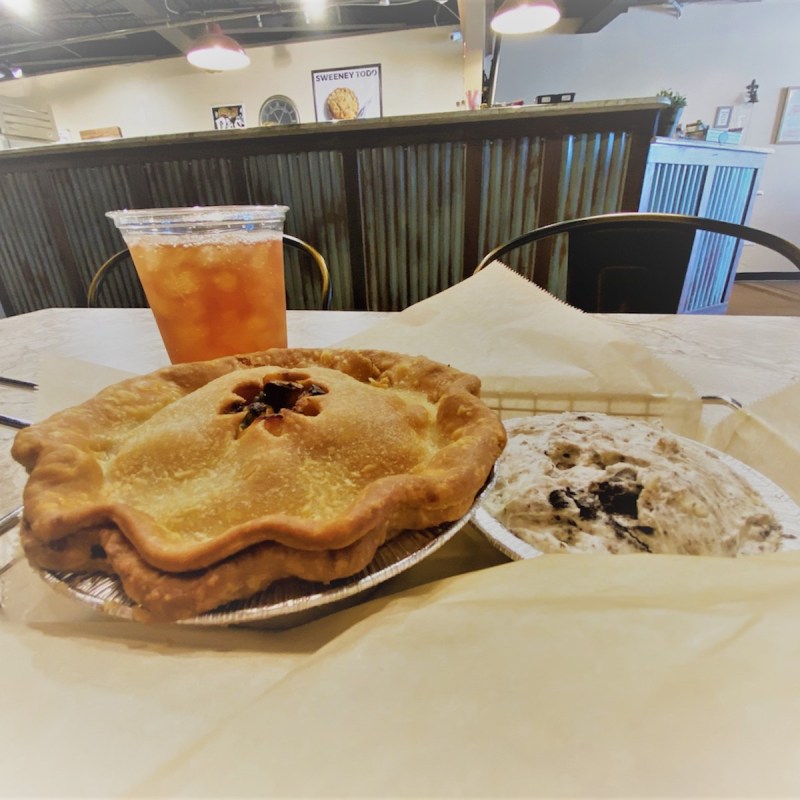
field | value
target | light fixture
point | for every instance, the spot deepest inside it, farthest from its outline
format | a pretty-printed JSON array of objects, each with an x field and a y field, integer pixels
[
  {"x": 22, "y": 7},
  {"x": 525, "y": 16},
  {"x": 314, "y": 10},
  {"x": 216, "y": 52},
  {"x": 10, "y": 71}
]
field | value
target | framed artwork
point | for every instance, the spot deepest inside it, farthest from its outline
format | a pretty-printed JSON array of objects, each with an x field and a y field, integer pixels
[
  {"x": 722, "y": 119},
  {"x": 788, "y": 130},
  {"x": 347, "y": 93},
  {"x": 227, "y": 117}
]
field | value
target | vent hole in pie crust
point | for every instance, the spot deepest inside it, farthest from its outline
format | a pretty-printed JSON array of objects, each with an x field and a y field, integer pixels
[{"x": 269, "y": 402}]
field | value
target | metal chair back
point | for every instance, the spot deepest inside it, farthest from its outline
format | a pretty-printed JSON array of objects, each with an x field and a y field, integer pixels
[
  {"x": 113, "y": 264},
  {"x": 638, "y": 262}
]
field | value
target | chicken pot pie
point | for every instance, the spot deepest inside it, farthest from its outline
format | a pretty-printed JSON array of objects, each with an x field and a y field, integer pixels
[{"x": 203, "y": 483}]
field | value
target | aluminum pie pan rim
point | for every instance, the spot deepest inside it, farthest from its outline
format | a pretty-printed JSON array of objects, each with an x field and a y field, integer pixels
[{"x": 286, "y": 602}]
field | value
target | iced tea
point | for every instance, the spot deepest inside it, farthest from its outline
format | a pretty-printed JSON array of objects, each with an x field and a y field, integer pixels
[
  {"x": 217, "y": 298},
  {"x": 213, "y": 276}
]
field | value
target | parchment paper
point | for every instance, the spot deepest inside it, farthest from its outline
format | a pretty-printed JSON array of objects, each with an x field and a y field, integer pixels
[
  {"x": 563, "y": 676},
  {"x": 766, "y": 435},
  {"x": 534, "y": 353}
]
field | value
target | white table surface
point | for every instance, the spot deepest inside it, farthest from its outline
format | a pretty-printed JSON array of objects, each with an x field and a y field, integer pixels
[
  {"x": 59, "y": 656},
  {"x": 743, "y": 357}
]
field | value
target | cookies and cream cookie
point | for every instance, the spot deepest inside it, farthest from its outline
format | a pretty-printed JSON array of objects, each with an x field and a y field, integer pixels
[{"x": 590, "y": 482}]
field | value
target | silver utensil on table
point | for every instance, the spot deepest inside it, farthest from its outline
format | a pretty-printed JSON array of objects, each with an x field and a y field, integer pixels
[
  {"x": 16, "y": 382},
  {"x": 11, "y": 519},
  {"x": 9, "y": 522},
  {"x": 13, "y": 422}
]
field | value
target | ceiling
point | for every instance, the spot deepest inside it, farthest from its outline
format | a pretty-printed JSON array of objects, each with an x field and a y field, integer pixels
[{"x": 63, "y": 35}]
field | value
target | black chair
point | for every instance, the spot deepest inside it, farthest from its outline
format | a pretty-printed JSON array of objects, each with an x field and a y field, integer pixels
[
  {"x": 113, "y": 263},
  {"x": 638, "y": 262}
]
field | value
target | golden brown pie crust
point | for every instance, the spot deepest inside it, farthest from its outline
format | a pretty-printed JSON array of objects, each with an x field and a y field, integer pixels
[{"x": 202, "y": 483}]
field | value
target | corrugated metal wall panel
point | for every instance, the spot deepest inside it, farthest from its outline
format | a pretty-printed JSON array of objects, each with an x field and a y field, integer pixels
[
  {"x": 593, "y": 170},
  {"x": 591, "y": 180},
  {"x": 510, "y": 190},
  {"x": 412, "y": 201},
  {"x": 191, "y": 182},
  {"x": 714, "y": 255},
  {"x": 592, "y": 174},
  {"x": 84, "y": 196},
  {"x": 312, "y": 185},
  {"x": 676, "y": 188},
  {"x": 32, "y": 271}
]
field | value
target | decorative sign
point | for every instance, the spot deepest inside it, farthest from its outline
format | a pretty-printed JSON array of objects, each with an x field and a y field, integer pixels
[
  {"x": 550, "y": 99},
  {"x": 103, "y": 134},
  {"x": 722, "y": 119},
  {"x": 347, "y": 93},
  {"x": 789, "y": 122},
  {"x": 226, "y": 117}
]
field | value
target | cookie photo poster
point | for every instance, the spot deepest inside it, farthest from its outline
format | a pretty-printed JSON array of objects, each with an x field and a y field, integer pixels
[{"x": 347, "y": 93}]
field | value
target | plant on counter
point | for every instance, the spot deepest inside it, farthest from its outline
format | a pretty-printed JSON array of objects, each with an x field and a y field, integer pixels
[
  {"x": 675, "y": 100},
  {"x": 668, "y": 119}
]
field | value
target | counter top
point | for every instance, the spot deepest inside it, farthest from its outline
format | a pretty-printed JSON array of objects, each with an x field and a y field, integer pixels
[
  {"x": 483, "y": 116},
  {"x": 702, "y": 144}
]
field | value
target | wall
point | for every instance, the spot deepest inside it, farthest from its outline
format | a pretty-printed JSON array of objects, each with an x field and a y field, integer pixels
[
  {"x": 710, "y": 53},
  {"x": 421, "y": 71}
]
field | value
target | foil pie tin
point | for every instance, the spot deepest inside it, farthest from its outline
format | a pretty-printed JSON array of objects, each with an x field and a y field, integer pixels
[{"x": 284, "y": 604}]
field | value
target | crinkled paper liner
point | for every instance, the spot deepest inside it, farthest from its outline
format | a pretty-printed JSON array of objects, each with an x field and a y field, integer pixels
[
  {"x": 766, "y": 435},
  {"x": 535, "y": 354}
]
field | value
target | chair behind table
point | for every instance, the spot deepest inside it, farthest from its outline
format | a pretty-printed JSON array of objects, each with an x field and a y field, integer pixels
[
  {"x": 643, "y": 262},
  {"x": 308, "y": 284}
]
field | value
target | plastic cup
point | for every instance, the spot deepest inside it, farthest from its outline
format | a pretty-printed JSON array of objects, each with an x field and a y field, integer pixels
[{"x": 213, "y": 276}]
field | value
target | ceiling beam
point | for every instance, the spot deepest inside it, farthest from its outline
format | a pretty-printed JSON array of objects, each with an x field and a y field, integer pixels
[
  {"x": 119, "y": 33},
  {"x": 151, "y": 13},
  {"x": 605, "y": 14}
]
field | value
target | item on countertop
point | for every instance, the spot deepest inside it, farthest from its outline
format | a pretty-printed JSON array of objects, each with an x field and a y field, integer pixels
[
  {"x": 203, "y": 483},
  {"x": 213, "y": 276},
  {"x": 596, "y": 483}
]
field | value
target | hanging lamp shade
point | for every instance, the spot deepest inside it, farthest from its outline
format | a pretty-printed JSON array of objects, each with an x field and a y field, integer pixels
[
  {"x": 525, "y": 16},
  {"x": 216, "y": 52}
]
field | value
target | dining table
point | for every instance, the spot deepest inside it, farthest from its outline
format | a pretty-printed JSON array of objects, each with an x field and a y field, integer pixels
[{"x": 468, "y": 674}]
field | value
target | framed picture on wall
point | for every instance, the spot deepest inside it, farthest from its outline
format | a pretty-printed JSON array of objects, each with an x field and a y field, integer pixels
[
  {"x": 722, "y": 119},
  {"x": 788, "y": 131},
  {"x": 347, "y": 93},
  {"x": 227, "y": 117}
]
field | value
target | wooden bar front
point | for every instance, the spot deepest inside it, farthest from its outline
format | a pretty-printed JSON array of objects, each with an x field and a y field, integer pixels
[{"x": 401, "y": 207}]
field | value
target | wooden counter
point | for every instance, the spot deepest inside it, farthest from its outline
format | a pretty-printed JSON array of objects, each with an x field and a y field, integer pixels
[{"x": 400, "y": 207}]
